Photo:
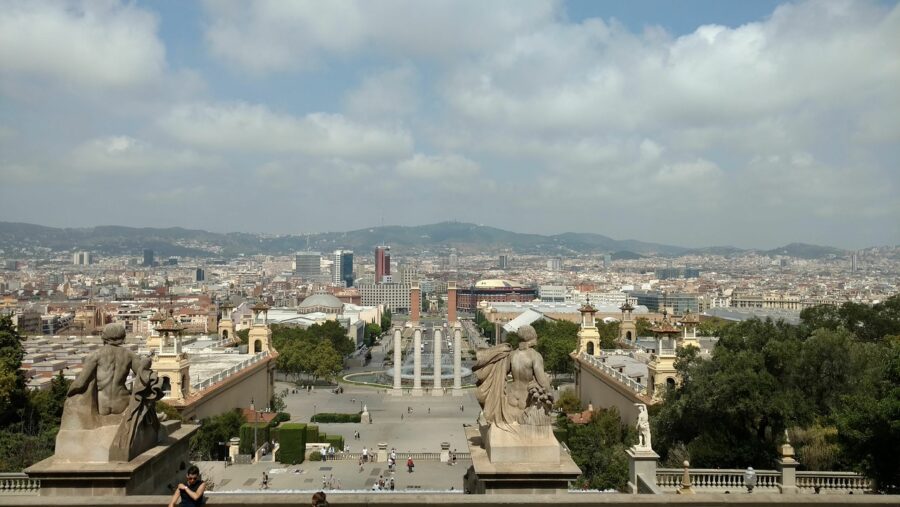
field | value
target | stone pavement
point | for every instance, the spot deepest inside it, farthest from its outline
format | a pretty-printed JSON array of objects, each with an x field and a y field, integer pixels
[
  {"x": 343, "y": 474},
  {"x": 434, "y": 419}
]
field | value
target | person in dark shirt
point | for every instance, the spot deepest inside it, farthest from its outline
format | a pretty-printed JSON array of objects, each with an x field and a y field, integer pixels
[
  {"x": 190, "y": 493},
  {"x": 319, "y": 500}
]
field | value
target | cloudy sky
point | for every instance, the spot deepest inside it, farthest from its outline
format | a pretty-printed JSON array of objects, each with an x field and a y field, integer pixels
[{"x": 695, "y": 123}]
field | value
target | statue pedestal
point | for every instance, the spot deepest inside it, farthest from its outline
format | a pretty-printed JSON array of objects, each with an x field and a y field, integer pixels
[
  {"x": 641, "y": 469},
  {"x": 149, "y": 473},
  {"x": 487, "y": 476}
]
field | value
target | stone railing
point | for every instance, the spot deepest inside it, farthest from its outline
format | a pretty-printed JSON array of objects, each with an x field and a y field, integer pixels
[
  {"x": 444, "y": 499},
  {"x": 222, "y": 375},
  {"x": 716, "y": 480},
  {"x": 18, "y": 484},
  {"x": 732, "y": 480},
  {"x": 615, "y": 374},
  {"x": 833, "y": 482}
]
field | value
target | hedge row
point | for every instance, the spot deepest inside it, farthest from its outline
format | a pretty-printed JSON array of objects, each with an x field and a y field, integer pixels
[
  {"x": 246, "y": 435},
  {"x": 328, "y": 417},
  {"x": 292, "y": 440},
  {"x": 312, "y": 433}
]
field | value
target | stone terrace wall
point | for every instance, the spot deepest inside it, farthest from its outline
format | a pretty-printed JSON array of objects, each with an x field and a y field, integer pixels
[{"x": 459, "y": 500}]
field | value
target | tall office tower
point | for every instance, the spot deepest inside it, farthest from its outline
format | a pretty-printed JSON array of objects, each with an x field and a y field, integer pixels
[
  {"x": 308, "y": 263},
  {"x": 607, "y": 259},
  {"x": 453, "y": 260},
  {"x": 504, "y": 261},
  {"x": 554, "y": 264},
  {"x": 854, "y": 262},
  {"x": 148, "y": 257},
  {"x": 200, "y": 275},
  {"x": 347, "y": 268},
  {"x": 82, "y": 258},
  {"x": 342, "y": 269},
  {"x": 382, "y": 264}
]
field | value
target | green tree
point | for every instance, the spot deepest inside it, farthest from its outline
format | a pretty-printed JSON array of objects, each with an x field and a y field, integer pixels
[
  {"x": 748, "y": 387},
  {"x": 609, "y": 334},
  {"x": 556, "y": 340},
  {"x": 373, "y": 331},
  {"x": 598, "y": 448},
  {"x": 642, "y": 326},
  {"x": 244, "y": 335},
  {"x": 868, "y": 420},
  {"x": 12, "y": 382},
  {"x": 386, "y": 319},
  {"x": 205, "y": 444},
  {"x": 568, "y": 402},
  {"x": 336, "y": 334},
  {"x": 327, "y": 362}
]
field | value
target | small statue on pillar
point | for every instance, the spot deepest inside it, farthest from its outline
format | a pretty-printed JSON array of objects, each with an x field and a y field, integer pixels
[{"x": 643, "y": 428}]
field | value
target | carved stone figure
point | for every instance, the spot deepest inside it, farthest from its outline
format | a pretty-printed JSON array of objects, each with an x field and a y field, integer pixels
[
  {"x": 515, "y": 424},
  {"x": 643, "y": 428},
  {"x": 525, "y": 400},
  {"x": 104, "y": 418}
]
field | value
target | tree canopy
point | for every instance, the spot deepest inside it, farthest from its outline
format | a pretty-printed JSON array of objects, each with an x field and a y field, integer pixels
[
  {"x": 316, "y": 352},
  {"x": 834, "y": 379},
  {"x": 556, "y": 340}
]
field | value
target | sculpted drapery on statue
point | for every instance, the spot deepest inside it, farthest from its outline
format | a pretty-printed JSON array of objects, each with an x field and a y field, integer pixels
[
  {"x": 104, "y": 419},
  {"x": 525, "y": 400}
]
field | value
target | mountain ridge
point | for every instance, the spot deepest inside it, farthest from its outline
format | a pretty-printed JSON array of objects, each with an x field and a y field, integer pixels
[{"x": 439, "y": 237}]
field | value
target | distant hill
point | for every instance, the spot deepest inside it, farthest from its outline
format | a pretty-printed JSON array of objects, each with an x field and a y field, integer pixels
[
  {"x": 806, "y": 251},
  {"x": 435, "y": 238}
]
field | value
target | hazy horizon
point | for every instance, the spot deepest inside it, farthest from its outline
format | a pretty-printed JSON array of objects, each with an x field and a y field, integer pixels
[
  {"x": 697, "y": 123},
  {"x": 554, "y": 233}
]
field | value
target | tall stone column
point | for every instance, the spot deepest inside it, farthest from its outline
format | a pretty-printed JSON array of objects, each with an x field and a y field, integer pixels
[
  {"x": 417, "y": 362},
  {"x": 437, "y": 391},
  {"x": 457, "y": 361},
  {"x": 398, "y": 360},
  {"x": 451, "y": 303},
  {"x": 415, "y": 304}
]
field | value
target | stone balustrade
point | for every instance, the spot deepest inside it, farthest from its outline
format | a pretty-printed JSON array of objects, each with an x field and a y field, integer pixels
[
  {"x": 18, "y": 484},
  {"x": 833, "y": 482},
  {"x": 721, "y": 480},
  {"x": 615, "y": 374},
  {"x": 219, "y": 377},
  {"x": 444, "y": 499}
]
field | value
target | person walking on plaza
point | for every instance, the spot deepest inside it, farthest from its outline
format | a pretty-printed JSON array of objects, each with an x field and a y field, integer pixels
[
  {"x": 360, "y": 463},
  {"x": 265, "y": 481},
  {"x": 409, "y": 464},
  {"x": 365, "y": 455}
]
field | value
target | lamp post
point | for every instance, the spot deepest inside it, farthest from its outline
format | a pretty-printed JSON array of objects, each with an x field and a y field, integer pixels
[
  {"x": 314, "y": 412},
  {"x": 255, "y": 425}
]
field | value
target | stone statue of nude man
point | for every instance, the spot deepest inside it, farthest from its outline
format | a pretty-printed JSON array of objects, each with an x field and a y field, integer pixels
[{"x": 110, "y": 368}]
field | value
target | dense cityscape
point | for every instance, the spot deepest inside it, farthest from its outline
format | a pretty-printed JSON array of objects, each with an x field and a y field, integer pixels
[{"x": 383, "y": 252}]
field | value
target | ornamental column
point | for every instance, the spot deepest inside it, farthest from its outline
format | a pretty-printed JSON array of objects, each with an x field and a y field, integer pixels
[
  {"x": 436, "y": 390},
  {"x": 457, "y": 361},
  {"x": 398, "y": 359},
  {"x": 417, "y": 362}
]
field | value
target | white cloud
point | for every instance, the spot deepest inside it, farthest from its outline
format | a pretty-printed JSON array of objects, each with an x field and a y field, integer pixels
[
  {"x": 391, "y": 93},
  {"x": 87, "y": 44},
  {"x": 273, "y": 35},
  {"x": 127, "y": 155},
  {"x": 446, "y": 168},
  {"x": 242, "y": 127}
]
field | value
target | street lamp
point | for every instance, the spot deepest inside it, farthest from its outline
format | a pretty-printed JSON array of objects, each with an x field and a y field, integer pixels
[
  {"x": 750, "y": 479},
  {"x": 314, "y": 412},
  {"x": 255, "y": 426}
]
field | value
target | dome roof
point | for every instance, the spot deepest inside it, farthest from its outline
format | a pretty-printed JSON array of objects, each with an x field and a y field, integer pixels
[
  {"x": 496, "y": 284},
  {"x": 322, "y": 301}
]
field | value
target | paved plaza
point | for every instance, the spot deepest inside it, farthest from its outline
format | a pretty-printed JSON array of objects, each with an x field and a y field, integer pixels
[{"x": 407, "y": 423}]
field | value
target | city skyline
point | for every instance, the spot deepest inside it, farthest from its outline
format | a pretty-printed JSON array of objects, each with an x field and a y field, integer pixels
[{"x": 753, "y": 125}]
